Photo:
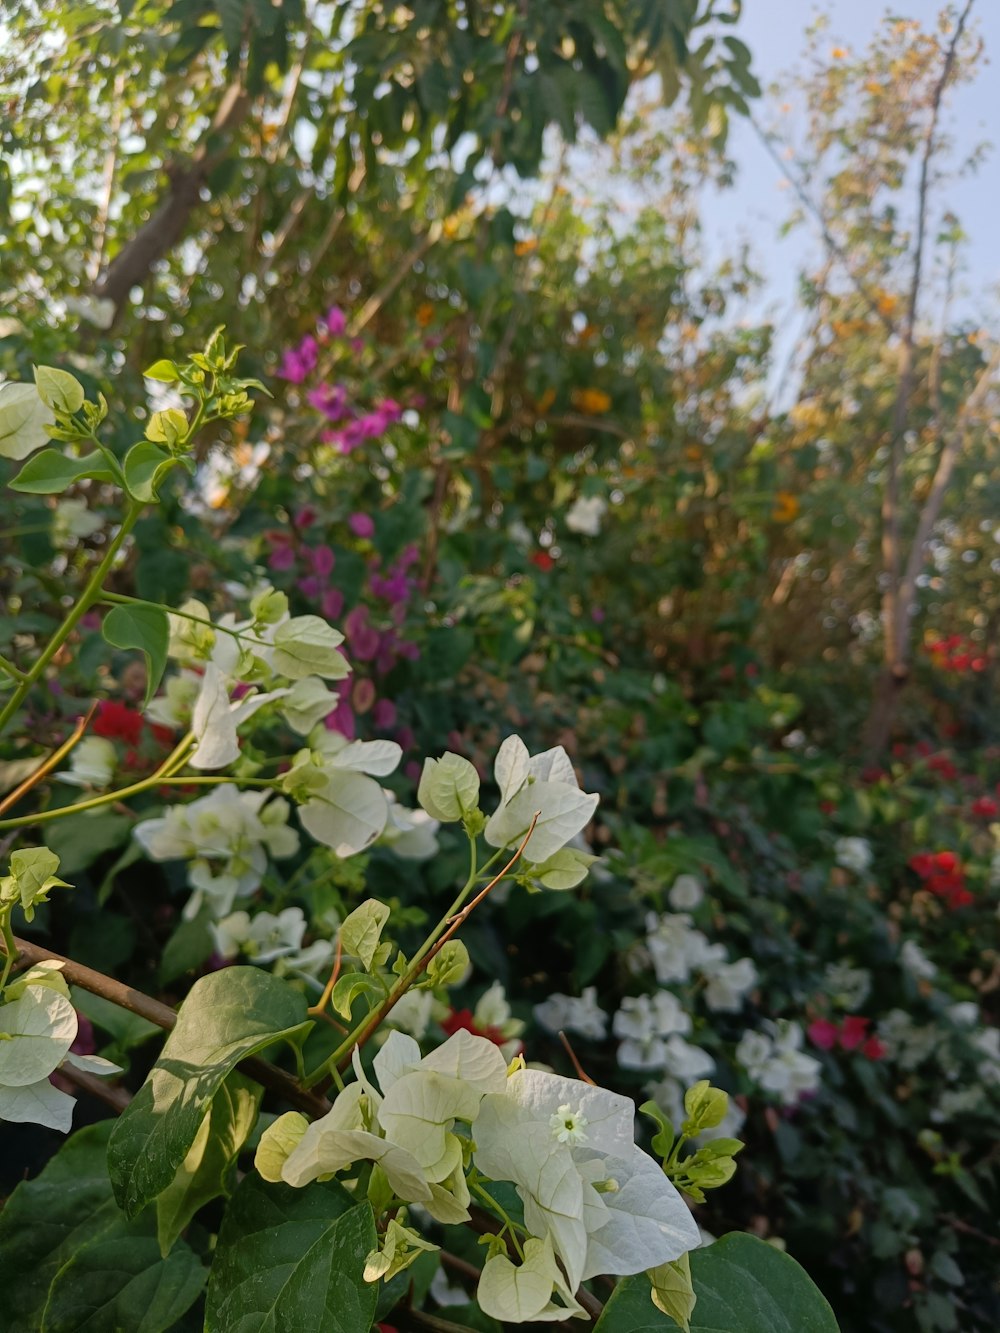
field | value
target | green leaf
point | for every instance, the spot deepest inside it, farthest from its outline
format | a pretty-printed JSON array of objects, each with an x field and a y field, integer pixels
[
  {"x": 188, "y": 947},
  {"x": 46, "y": 1221},
  {"x": 673, "y": 1292},
  {"x": 125, "y": 1028},
  {"x": 208, "y": 1170},
  {"x": 742, "y": 1285},
  {"x": 291, "y": 1261},
  {"x": 143, "y": 627},
  {"x": 80, "y": 839},
  {"x": 145, "y": 466},
  {"x": 71, "y": 1263},
  {"x": 121, "y": 1282},
  {"x": 24, "y": 420},
  {"x": 164, "y": 371},
  {"x": 51, "y": 472},
  {"x": 59, "y": 389},
  {"x": 226, "y": 1017},
  {"x": 350, "y": 986},
  {"x": 362, "y": 930}
]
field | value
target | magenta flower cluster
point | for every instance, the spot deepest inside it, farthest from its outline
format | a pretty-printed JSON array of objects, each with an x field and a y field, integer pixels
[
  {"x": 375, "y": 637},
  {"x": 349, "y": 425}
]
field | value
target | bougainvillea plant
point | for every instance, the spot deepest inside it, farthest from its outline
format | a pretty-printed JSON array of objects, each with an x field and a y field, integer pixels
[{"x": 300, "y": 1212}]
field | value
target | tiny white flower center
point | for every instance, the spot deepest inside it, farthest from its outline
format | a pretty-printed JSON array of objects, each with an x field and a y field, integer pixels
[{"x": 567, "y": 1125}]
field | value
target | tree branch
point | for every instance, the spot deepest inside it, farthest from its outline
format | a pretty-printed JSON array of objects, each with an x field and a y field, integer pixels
[
  {"x": 268, "y": 1075},
  {"x": 167, "y": 225},
  {"x": 896, "y": 627}
]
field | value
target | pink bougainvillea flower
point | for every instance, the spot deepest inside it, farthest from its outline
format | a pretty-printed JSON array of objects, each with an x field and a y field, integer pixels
[
  {"x": 854, "y": 1031},
  {"x": 873, "y": 1049},
  {"x": 335, "y": 322},
  {"x": 298, "y": 363},
  {"x": 824, "y": 1034},
  {"x": 322, "y": 560},
  {"x": 362, "y": 637},
  {"x": 282, "y": 554},
  {"x": 304, "y": 517},
  {"x": 332, "y": 603},
  {"x": 330, "y": 400},
  {"x": 361, "y": 525},
  {"x": 384, "y": 714},
  {"x": 342, "y": 720}
]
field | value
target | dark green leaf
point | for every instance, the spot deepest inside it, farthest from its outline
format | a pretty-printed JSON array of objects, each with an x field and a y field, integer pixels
[
  {"x": 51, "y": 471},
  {"x": 291, "y": 1261},
  {"x": 226, "y": 1017},
  {"x": 143, "y": 627},
  {"x": 208, "y": 1170}
]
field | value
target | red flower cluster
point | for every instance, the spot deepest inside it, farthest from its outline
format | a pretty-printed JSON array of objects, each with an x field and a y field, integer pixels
[
  {"x": 542, "y": 560},
  {"x": 940, "y": 763},
  {"x": 851, "y": 1035},
  {"x": 985, "y": 807},
  {"x": 957, "y": 654},
  {"x": 942, "y": 875},
  {"x": 460, "y": 1020},
  {"x": 117, "y": 722}
]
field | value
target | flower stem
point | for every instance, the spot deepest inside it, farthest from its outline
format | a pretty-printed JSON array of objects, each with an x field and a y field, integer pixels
[
  {"x": 109, "y": 797},
  {"x": 88, "y": 597}
]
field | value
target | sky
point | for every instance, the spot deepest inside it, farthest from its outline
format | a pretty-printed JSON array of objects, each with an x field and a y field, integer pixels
[{"x": 758, "y": 205}]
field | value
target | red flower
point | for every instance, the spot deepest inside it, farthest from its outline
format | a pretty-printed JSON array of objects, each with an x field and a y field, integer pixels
[
  {"x": 985, "y": 808},
  {"x": 824, "y": 1034},
  {"x": 462, "y": 1020},
  {"x": 118, "y": 722},
  {"x": 940, "y": 763},
  {"x": 542, "y": 560},
  {"x": 873, "y": 1049},
  {"x": 854, "y": 1031}
]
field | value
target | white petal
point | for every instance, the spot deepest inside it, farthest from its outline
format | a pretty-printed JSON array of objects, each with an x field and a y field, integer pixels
[
  {"x": 647, "y": 1222},
  {"x": 474, "y": 1060},
  {"x": 378, "y": 758},
  {"x": 213, "y": 723},
  {"x": 510, "y": 768},
  {"x": 37, "y": 1104},
  {"x": 563, "y": 811},
  {"x": 41, "y": 1027},
  {"x": 348, "y": 813}
]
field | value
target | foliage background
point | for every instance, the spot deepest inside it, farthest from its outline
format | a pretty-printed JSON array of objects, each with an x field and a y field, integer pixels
[{"x": 712, "y": 649}]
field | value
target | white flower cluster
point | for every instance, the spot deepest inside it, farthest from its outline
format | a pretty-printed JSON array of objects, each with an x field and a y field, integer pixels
[
  {"x": 677, "y": 950},
  {"x": 854, "y": 854},
  {"x": 38, "y": 1025},
  {"x": 574, "y": 1013},
  {"x": 593, "y": 1202},
  {"x": 226, "y": 837},
  {"x": 847, "y": 987},
  {"x": 266, "y": 938},
  {"x": 775, "y": 1061}
]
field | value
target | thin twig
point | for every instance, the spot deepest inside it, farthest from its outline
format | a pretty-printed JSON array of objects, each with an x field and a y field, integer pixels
[
  {"x": 319, "y": 1008},
  {"x": 584, "y": 1077},
  {"x": 382, "y": 1012},
  {"x": 47, "y": 765},
  {"x": 111, "y": 1094}
]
